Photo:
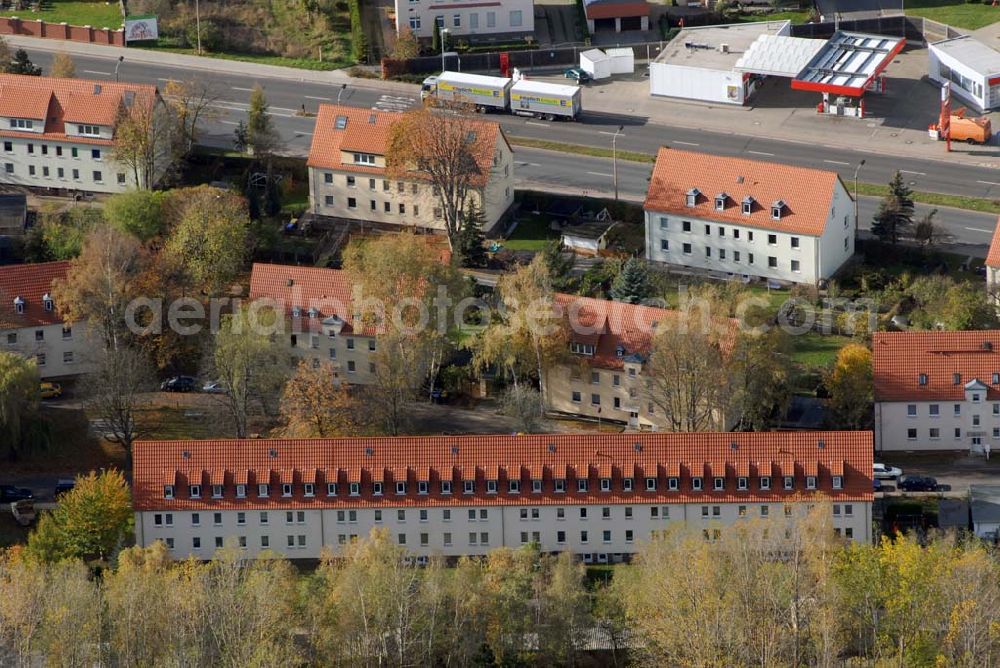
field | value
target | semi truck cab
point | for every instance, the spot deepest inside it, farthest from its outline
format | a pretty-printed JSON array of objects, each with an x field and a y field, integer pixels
[{"x": 428, "y": 87}]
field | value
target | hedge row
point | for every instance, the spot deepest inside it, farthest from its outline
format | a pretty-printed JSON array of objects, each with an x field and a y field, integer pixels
[{"x": 359, "y": 44}]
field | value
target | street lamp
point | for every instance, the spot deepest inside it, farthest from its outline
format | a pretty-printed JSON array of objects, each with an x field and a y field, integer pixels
[
  {"x": 614, "y": 157},
  {"x": 121, "y": 59},
  {"x": 197, "y": 21},
  {"x": 444, "y": 40},
  {"x": 856, "y": 171}
]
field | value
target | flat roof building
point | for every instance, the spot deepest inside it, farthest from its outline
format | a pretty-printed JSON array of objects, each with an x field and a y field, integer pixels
[{"x": 973, "y": 68}]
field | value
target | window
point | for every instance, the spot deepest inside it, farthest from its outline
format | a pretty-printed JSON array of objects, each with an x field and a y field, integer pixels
[
  {"x": 536, "y": 486},
  {"x": 457, "y": 20},
  {"x": 400, "y": 487},
  {"x": 8, "y": 146},
  {"x": 491, "y": 19},
  {"x": 795, "y": 266},
  {"x": 415, "y": 26},
  {"x": 468, "y": 486},
  {"x": 605, "y": 484},
  {"x": 514, "y": 486},
  {"x": 8, "y": 167},
  {"x": 584, "y": 537},
  {"x": 68, "y": 357},
  {"x": 704, "y": 511},
  {"x": 911, "y": 410},
  {"x": 673, "y": 484},
  {"x": 98, "y": 177},
  {"x": 194, "y": 491},
  {"x": 789, "y": 482},
  {"x": 708, "y": 251},
  {"x": 377, "y": 488},
  {"x": 286, "y": 489},
  {"x": 934, "y": 433},
  {"x": 957, "y": 409},
  {"x": 838, "y": 482},
  {"x": 90, "y": 131},
  {"x": 686, "y": 249},
  {"x": 958, "y": 432},
  {"x": 352, "y": 203},
  {"x": 40, "y": 359},
  {"x": 31, "y": 170},
  {"x": 772, "y": 240},
  {"x": 327, "y": 177},
  {"x": 934, "y": 410},
  {"x": 262, "y": 489},
  {"x": 627, "y": 484},
  {"x": 956, "y": 378},
  {"x": 241, "y": 491},
  {"x": 696, "y": 484},
  {"x": 686, "y": 226},
  {"x": 595, "y": 400},
  {"x": 559, "y": 485},
  {"x": 76, "y": 174},
  {"x": 772, "y": 262},
  {"x": 241, "y": 518},
  {"x": 491, "y": 486},
  {"x": 581, "y": 485},
  {"x": 515, "y": 18},
  {"x": 742, "y": 483},
  {"x": 718, "y": 483},
  {"x": 217, "y": 519},
  {"x": 120, "y": 177},
  {"x": 765, "y": 482},
  {"x": 650, "y": 484},
  {"x": 810, "y": 482}
]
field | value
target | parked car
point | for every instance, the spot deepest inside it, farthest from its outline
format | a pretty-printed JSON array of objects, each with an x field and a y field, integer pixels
[
  {"x": 579, "y": 75},
  {"x": 49, "y": 390},
  {"x": 918, "y": 483},
  {"x": 10, "y": 493},
  {"x": 876, "y": 485},
  {"x": 64, "y": 485},
  {"x": 214, "y": 387},
  {"x": 178, "y": 384},
  {"x": 886, "y": 472}
]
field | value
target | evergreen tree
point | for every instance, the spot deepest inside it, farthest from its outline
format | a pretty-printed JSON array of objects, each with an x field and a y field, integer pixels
[
  {"x": 23, "y": 65},
  {"x": 471, "y": 240},
  {"x": 895, "y": 213},
  {"x": 261, "y": 137},
  {"x": 436, "y": 38},
  {"x": 631, "y": 285}
]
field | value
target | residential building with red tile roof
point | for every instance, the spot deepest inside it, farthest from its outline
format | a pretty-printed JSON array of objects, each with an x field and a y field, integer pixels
[
  {"x": 616, "y": 15},
  {"x": 609, "y": 347},
  {"x": 937, "y": 390},
  {"x": 31, "y": 325},
  {"x": 59, "y": 133},
  {"x": 348, "y": 180},
  {"x": 596, "y": 495},
  {"x": 738, "y": 217},
  {"x": 470, "y": 20},
  {"x": 993, "y": 266}
]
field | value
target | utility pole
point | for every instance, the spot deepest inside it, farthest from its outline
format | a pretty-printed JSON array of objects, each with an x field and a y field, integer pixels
[
  {"x": 444, "y": 40},
  {"x": 121, "y": 59},
  {"x": 197, "y": 21},
  {"x": 856, "y": 172},
  {"x": 614, "y": 157}
]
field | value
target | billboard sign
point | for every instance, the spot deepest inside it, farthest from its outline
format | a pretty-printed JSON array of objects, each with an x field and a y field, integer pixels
[{"x": 141, "y": 29}]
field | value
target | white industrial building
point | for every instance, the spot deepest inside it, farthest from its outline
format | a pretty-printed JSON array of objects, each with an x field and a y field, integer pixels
[
  {"x": 747, "y": 218},
  {"x": 937, "y": 390},
  {"x": 472, "y": 21},
  {"x": 972, "y": 67},
  {"x": 599, "y": 496},
  {"x": 700, "y": 63}
]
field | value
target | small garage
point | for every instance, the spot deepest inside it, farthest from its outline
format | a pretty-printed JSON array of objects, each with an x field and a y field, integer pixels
[{"x": 616, "y": 15}]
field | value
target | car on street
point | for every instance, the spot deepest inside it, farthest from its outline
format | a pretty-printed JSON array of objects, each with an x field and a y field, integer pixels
[
  {"x": 10, "y": 493},
  {"x": 918, "y": 483},
  {"x": 886, "y": 472},
  {"x": 214, "y": 387},
  {"x": 579, "y": 75},
  {"x": 48, "y": 390},
  {"x": 64, "y": 485},
  {"x": 178, "y": 384}
]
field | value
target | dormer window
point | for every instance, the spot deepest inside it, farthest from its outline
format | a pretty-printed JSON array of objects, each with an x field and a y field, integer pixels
[
  {"x": 777, "y": 209},
  {"x": 47, "y": 302},
  {"x": 747, "y": 205},
  {"x": 168, "y": 491},
  {"x": 619, "y": 351},
  {"x": 21, "y": 124},
  {"x": 956, "y": 378},
  {"x": 922, "y": 379},
  {"x": 194, "y": 491},
  {"x": 296, "y": 312},
  {"x": 89, "y": 130},
  {"x": 313, "y": 312},
  {"x": 582, "y": 348},
  {"x": 692, "y": 197},
  {"x": 720, "y": 201},
  {"x": 19, "y": 305},
  {"x": 340, "y": 123},
  {"x": 364, "y": 159}
]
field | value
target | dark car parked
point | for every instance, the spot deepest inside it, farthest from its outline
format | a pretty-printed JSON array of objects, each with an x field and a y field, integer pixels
[
  {"x": 918, "y": 483},
  {"x": 10, "y": 493},
  {"x": 178, "y": 384},
  {"x": 64, "y": 485}
]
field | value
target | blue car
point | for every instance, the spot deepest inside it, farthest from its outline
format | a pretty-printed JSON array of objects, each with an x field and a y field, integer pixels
[{"x": 877, "y": 484}]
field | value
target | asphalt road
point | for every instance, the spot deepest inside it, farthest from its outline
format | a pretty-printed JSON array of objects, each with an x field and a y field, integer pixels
[
  {"x": 288, "y": 96},
  {"x": 969, "y": 231}
]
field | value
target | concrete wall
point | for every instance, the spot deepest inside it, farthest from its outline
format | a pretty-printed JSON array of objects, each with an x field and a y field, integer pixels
[
  {"x": 65, "y": 354},
  {"x": 582, "y": 529},
  {"x": 39, "y": 28}
]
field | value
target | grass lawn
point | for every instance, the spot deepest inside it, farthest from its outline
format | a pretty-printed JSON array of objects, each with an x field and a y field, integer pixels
[
  {"x": 95, "y": 14},
  {"x": 531, "y": 234},
  {"x": 954, "y": 12},
  {"x": 795, "y": 16},
  {"x": 281, "y": 61},
  {"x": 184, "y": 422},
  {"x": 814, "y": 350}
]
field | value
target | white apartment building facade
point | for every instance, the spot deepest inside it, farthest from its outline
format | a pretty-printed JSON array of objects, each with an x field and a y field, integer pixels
[
  {"x": 993, "y": 266},
  {"x": 731, "y": 216},
  {"x": 609, "y": 346},
  {"x": 59, "y": 133},
  {"x": 937, "y": 391},
  {"x": 31, "y": 326},
  {"x": 598, "y": 496},
  {"x": 348, "y": 179},
  {"x": 478, "y": 21}
]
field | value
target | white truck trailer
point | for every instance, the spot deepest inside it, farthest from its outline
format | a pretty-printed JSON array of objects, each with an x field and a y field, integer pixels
[
  {"x": 545, "y": 100},
  {"x": 524, "y": 98},
  {"x": 487, "y": 93}
]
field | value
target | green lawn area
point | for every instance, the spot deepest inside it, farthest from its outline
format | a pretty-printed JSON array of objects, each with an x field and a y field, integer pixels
[
  {"x": 955, "y": 13},
  {"x": 814, "y": 350},
  {"x": 531, "y": 234},
  {"x": 172, "y": 423},
  {"x": 94, "y": 14},
  {"x": 795, "y": 16},
  {"x": 300, "y": 63}
]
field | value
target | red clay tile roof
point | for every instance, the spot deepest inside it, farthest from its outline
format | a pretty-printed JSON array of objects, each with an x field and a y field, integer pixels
[
  {"x": 156, "y": 463},
  {"x": 807, "y": 193},
  {"x": 368, "y": 130},
  {"x": 898, "y": 359},
  {"x": 67, "y": 100},
  {"x": 993, "y": 257},
  {"x": 609, "y": 324},
  {"x": 327, "y": 290},
  {"x": 610, "y": 10},
  {"x": 30, "y": 282}
]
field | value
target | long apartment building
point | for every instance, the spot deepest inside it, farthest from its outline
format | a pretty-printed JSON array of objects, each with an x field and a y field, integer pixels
[
  {"x": 477, "y": 21},
  {"x": 32, "y": 326},
  {"x": 348, "y": 177},
  {"x": 59, "y": 133},
  {"x": 609, "y": 347},
  {"x": 748, "y": 218},
  {"x": 599, "y": 496},
  {"x": 937, "y": 390}
]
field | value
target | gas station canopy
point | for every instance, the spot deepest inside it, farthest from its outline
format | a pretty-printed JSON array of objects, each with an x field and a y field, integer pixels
[
  {"x": 778, "y": 55},
  {"x": 848, "y": 63}
]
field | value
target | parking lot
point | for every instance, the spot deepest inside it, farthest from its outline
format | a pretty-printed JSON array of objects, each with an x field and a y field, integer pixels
[{"x": 954, "y": 471}]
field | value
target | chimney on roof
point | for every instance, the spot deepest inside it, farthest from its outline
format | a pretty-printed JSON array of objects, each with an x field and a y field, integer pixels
[
  {"x": 97, "y": 89},
  {"x": 739, "y": 179}
]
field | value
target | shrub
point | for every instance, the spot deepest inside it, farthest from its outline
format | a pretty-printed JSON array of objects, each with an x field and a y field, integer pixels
[{"x": 359, "y": 45}]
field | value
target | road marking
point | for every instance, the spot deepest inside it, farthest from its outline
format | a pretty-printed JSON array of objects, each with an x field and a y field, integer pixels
[
  {"x": 604, "y": 132},
  {"x": 313, "y": 97},
  {"x": 761, "y": 153},
  {"x": 687, "y": 143},
  {"x": 107, "y": 74},
  {"x": 528, "y": 164},
  {"x": 229, "y": 122},
  {"x": 248, "y": 90},
  {"x": 599, "y": 174},
  {"x": 978, "y": 229},
  {"x": 541, "y": 125},
  {"x": 989, "y": 183},
  {"x": 836, "y": 162},
  {"x": 906, "y": 171}
]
